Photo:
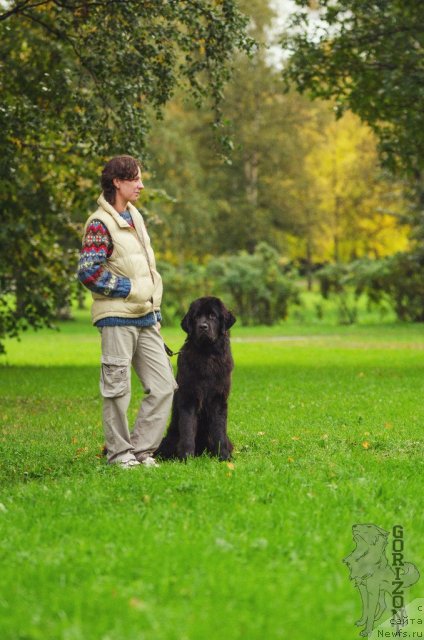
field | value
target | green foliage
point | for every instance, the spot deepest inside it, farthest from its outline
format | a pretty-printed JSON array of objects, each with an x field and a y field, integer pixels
[
  {"x": 310, "y": 187},
  {"x": 253, "y": 285},
  {"x": 368, "y": 56},
  {"x": 36, "y": 258},
  {"x": 338, "y": 279},
  {"x": 79, "y": 83},
  {"x": 228, "y": 204},
  {"x": 396, "y": 281},
  {"x": 182, "y": 284},
  {"x": 259, "y": 291},
  {"x": 95, "y": 67}
]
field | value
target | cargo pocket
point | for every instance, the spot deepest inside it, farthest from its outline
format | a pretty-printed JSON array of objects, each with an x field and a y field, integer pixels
[{"x": 114, "y": 377}]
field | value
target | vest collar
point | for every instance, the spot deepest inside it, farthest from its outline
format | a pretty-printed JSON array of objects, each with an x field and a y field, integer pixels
[{"x": 106, "y": 206}]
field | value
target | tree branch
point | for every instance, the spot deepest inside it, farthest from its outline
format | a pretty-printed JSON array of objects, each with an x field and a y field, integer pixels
[
  {"x": 20, "y": 7},
  {"x": 26, "y": 4}
]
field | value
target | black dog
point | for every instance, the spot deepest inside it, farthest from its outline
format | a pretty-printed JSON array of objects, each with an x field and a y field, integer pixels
[{"x": 199, "y": 412}]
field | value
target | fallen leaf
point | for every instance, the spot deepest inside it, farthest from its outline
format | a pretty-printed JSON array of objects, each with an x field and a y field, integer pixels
[
  {"x": 135, "y": 603},
  {"x": 366, "y": 445}
]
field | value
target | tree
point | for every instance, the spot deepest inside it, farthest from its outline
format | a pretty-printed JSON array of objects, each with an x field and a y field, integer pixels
[
  {"x": 359, "y": 208},
  {"x": 308, "y": 185},
  {"x": 80, "y": 81},
  {"x": 98, "y": 65},
  {"x": 225, "y": 204},
  {"x": 368, "y": 57}
]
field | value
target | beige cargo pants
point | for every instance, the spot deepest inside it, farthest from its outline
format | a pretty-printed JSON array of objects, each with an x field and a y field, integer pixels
[{"x": 144, "y": 349}]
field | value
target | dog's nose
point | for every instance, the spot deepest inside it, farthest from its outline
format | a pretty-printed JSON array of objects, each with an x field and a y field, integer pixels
[{"x": 203, "y": 325}]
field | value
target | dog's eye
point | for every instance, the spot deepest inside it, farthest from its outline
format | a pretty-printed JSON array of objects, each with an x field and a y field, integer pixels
[{"x": 212, "y": 316}]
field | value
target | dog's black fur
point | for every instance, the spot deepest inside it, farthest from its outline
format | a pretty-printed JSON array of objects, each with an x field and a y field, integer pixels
[{"x": 199, "y": 412}]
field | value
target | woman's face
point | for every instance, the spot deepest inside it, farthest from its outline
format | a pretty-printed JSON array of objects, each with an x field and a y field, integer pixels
[{"x": 129, "y": 190}]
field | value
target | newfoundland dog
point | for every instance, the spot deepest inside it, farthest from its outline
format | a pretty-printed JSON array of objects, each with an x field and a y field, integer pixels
[{"x": 199, "y": 412}]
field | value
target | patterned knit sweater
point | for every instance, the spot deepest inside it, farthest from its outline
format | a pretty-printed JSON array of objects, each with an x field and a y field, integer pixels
[{"x": 97, "y": 247}]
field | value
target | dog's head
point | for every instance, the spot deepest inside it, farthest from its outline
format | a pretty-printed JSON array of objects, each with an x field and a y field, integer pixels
[
  {"x": 207, "y": 319},
  {"x": 371, "y": 542},
  {"x": 369, "y": 535}
]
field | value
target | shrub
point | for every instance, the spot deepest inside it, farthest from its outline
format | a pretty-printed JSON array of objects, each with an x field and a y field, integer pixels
[
  {"x": 397, "y": 281},
  {"x": 253, "y": 285},
  {"x": 181, "y": 286},
  {"x": 339, "y": 279},
  {"x": 259, "y": 291}
]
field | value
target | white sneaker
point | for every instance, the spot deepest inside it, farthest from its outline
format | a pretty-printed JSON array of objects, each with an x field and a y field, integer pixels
[
  {"x": 128, "y": 464},
  {"x": 150, "y": 462}
]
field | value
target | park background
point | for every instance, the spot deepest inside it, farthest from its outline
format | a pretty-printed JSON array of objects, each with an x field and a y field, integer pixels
[{"x": 283, "y": 158}]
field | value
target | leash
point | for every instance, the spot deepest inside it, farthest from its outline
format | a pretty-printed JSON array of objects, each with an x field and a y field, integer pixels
[{"x": 169, "y": 351}]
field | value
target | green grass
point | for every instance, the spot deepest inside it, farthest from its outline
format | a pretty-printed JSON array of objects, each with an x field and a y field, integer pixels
[{"x": 327, "y": 424}]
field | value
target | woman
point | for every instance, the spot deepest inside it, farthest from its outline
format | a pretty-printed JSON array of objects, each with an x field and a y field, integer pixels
[{"x": 117, "y": 264}]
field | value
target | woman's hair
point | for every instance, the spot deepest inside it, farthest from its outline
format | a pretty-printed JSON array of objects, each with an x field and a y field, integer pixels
[{"x": 122, "y": 167}]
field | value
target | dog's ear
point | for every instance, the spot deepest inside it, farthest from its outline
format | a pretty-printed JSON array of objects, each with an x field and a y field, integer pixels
[
  {"x": 376, "y": 535},
  {"x": 226, "y": 319},
  {"x": 187, "y": 322},
  {"x": 229, "y": 319},
  {"x": 382, "y": 532}
]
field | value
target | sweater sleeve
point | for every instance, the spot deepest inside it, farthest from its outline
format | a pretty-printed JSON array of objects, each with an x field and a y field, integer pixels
[{"x": 97, "y": 246}]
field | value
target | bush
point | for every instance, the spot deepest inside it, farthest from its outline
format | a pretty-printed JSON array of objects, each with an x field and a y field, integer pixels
[
  {"x": 258, "y": 290},
  {"x": 339, "y": 279},
  {"x": 181, "y": 286},
  {"x": 252, "y": 285},
  {"x": 397, "y": 281}
]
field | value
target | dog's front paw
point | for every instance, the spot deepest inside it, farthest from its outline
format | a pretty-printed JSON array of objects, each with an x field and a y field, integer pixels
[
  {"x": 361, "y": 622},
  {"x": 224, "y": 455},
  {"x": 184, "y": 452}
]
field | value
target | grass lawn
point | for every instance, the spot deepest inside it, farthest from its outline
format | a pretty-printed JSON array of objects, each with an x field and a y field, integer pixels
[{"x": 327, "y": 423}]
